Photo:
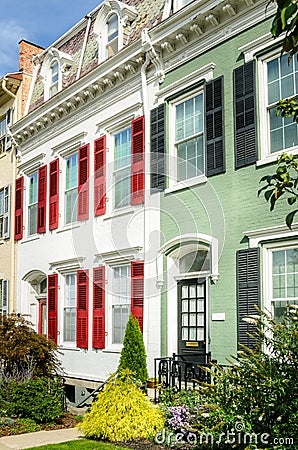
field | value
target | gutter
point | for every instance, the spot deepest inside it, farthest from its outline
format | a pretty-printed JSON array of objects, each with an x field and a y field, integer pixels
[{"x": 4, "y": 80}]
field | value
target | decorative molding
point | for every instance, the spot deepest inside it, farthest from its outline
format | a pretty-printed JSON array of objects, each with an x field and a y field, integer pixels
[
  {"x": 153, "y": 55},
  {"x": 272, "y": 233},
  {"x": 67, "y": 147},
  {"x": 203, "y": 73},
  {"x": 261, "y": 43},
  {"x": 120, "y": 256},
  {"x": 29, "y": 167},
  {"x": 67, "y": 265}
]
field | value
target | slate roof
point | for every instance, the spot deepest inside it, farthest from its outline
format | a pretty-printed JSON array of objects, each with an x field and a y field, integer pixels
[{"x": 149, "y": 14}]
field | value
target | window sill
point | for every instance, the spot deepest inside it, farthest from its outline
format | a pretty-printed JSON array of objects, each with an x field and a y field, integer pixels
[
  {"x": 274, "y": 157},
  {"x": 68, "y": 347},
  {"x": 112, "y": 350},
  {"x": 122, "y": 211},
  {"x": 69, "y": 226},
  {"x": 30, "y": 239},
  {"x": 187, "y": 184}
]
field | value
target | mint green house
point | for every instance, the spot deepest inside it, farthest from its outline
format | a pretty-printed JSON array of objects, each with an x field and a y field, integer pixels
[{"x": 214, "y": 134}]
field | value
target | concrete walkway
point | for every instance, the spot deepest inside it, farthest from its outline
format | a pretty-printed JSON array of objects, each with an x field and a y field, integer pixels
[{"x": 38, "y": 438}]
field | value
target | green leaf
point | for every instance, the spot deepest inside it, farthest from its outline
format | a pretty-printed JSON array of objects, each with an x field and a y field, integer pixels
[
  {"x": 292, "y": 200},
  {"x": 290, "y": 218},
  {"x": 268, "y": 194}
]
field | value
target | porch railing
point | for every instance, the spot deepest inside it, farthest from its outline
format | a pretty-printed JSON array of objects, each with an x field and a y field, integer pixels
[{"x": 181, "y": 371}]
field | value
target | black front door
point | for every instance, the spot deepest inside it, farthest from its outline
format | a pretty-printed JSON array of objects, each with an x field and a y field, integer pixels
[{"x": 192, "y": 320}]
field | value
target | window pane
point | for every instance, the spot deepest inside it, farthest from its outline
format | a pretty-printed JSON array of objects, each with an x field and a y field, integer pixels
[
  {"x": 279, "y": 283},
  {"x": 71, "y": 205},
  {"x": 69, "y": 325},
  {"x": 33, "y": 190},
  {"x": 70, "y": 291},
  {"x": 32, "y": 210},
  {"x": 278, "y": 260},
  {"x": 1, "y": 202},
  {"x": 292, "y": 260},
  {"x": 112, "y": 27},
  {"x": 122, "y": 153},
  {"x": 122, "y": 188},
  {"x": 120, "y": 319},
  {"x": 72, "y": 171},
  {"x": 190, "y": 156},
  {"x": 282, "y": 83}
]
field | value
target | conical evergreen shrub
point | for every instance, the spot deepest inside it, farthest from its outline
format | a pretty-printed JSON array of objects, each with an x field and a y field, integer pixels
[{"x": 133, "y": 355}]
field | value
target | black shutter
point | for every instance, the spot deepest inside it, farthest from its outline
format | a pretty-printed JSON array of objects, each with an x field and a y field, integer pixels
[
  {"x": 158, "y": 144},
  {"x": 245, "y": 115},
  {"x": 214, "y": 122},
  {"x": 248, "y": 291}
]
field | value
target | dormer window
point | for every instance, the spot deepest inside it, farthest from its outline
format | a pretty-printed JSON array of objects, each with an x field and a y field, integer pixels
[
  {"x": 110, "y": 27},
  {"x": 54, "y": 84},
  {"x": 112, "y": 35},
  {"x": 55, "y": 65}
]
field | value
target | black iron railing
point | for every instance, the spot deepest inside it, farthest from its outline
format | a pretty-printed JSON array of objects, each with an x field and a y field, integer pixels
[{"x": 181, "y": 371}]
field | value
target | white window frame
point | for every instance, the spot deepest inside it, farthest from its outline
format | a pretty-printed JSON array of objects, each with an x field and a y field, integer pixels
[
  {"x": 179, "y": 4},
  {"x": 172, "y": 164},
  {"x": 74, "y": 219},
  {"x": 121, "y": 169},
  {"x": 265, "y": 155},
  {"x": 268, "y": 269},
  {"x": 32, "y": 204},
  {"x": 65, "y": 306},
  {"x": 116, "y": 38},
  {"x": 5, "y": 216},
  {"x": 110, "y": 303},
  {"x": 4, "y": 296},
  {"x": 54, "y": 84}
]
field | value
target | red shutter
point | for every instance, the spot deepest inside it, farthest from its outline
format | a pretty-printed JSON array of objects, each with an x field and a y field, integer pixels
[
  {"x": 83, "y": 188},
  {"x": 100, "y": 176},
  {"x": 82, "y": 308},
  {"x": 137, "y": 290},
  {"x": 42, "y": 199},
  {"x": 54, "y": 194},
  {"x": 53, "y": 307},
  {"x": 138, "y": 161},
  {"x": 98, "y": 333},
  {"x": 18, "y": 227}
]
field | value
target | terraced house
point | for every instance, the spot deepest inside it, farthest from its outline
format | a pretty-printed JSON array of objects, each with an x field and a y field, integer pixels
[
  {"x": 14, "y": 90},
  {"x": 148, "y": 128}
]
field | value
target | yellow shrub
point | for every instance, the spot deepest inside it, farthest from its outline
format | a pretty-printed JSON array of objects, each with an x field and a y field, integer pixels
[{"x": 121, "y": 413}]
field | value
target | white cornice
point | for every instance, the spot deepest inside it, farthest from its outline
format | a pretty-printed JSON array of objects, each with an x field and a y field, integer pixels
[
  {"x": 31, "y": 166},
  {"x": 271, "y": 233},
  {"x": 67, "y": 265}
]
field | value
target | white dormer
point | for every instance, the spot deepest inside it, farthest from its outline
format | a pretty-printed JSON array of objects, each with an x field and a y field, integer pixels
[
  {"x": 54, "y": 65},
  {"x": 112, "y": 18}
]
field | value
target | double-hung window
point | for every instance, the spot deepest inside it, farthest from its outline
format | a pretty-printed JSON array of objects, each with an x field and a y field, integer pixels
[
  {"x": 33, "y": 204},
  {"x": 112, "y": 35},
  {"x": 71, "y": 189},
  {"x": 284, "y": 280},
  {"x": 122, "y": 168},
  {"x": 121, "y": 302},
  {"x": 282, "y": 82},
  {"x": 69, "y": 313},
  {"x": 189, "y": 137}
]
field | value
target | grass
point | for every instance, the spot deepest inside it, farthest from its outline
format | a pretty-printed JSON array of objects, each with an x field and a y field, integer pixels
[{"x": 79, "y": 444}]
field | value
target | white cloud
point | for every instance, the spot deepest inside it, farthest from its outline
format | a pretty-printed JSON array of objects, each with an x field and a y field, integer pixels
[{"x": 10, "y": 35}]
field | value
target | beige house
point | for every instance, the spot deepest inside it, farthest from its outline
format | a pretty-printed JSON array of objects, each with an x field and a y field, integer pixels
[{"x": 14, "y": 90}]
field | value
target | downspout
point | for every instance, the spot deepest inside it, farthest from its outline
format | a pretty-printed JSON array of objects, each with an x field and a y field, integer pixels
[
  {"x": 4, "y": 80},
  {"x": 88, "y": 17},
  {"x": 146, "y": 113}
]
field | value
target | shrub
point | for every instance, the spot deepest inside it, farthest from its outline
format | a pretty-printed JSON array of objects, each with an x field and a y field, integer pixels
[
  {"x": 259, "y": 387},
  {"x": 23, "y": 352},
  {"x": 122, "y": 412},
  {"x": 133, "y": 355},
  {"x": 38, "y": 399}
]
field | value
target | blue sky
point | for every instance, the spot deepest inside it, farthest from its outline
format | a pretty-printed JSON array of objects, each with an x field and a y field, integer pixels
[{"x": 38, "y": 21}]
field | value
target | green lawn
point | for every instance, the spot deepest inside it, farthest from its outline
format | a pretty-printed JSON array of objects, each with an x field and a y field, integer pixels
[{"x": 81, "y": 444}]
